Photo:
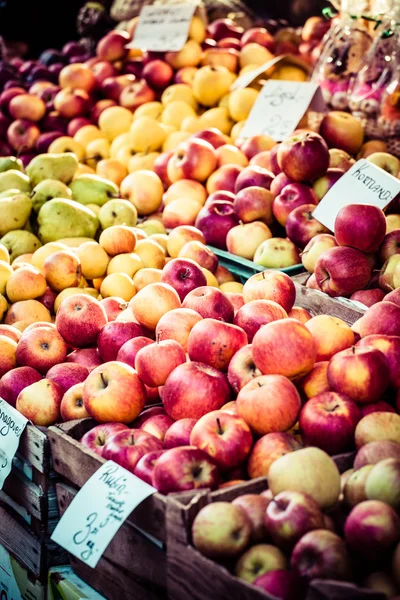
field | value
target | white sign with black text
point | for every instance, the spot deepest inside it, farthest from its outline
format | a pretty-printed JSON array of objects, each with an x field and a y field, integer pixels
[
  {"x": 12, "y": 424},
  {"x": 363, "y": 183},
  {"x": 280, "y": 107},
  {"x": 163, "y": 27},
  {"x": 98, "y": 511}
]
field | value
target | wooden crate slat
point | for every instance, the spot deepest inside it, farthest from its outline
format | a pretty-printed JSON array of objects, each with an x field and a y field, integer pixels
[
  {"x": 34, "y": 448},
  {"x": 26, "y": 493},
  {"x": 319, "y": 303},
  {"x": 17, "y": 539},
  {"x": 134, "y": 552}
]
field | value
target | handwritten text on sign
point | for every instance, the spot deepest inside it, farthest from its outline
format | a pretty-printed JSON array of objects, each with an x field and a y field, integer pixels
[
  {"x": 98, "y": 511},
  {"x": 364, "y": 183},
  {"x": 279, "y": 108},
  {"x": 163, "y": 28},
  {"x": 12, "y": 424}
]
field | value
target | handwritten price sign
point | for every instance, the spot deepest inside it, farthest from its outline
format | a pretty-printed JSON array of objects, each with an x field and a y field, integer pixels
[
  {"x": 163, "y": 28},
  {"x": 280, "y": 107},
  {"x": 12, "y": 424},
  {"x": 98, "y": 511}
]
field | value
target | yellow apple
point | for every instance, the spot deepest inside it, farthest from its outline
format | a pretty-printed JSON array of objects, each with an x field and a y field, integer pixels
[
  {"x": 5, "y": 273},
  {"x": 151, "y": 226},
  {"x": 125, "y": 263},
  {"x": 392, "y": 223},
  {"x": 87, "y": 134},
  {"x": 235, "y": 287},
  {"x": 150, "y": 253},
  {"x": 254, "y": 54},
  {"x": 145, "y": 277},
  {"x": 26, "y": 283},
  {"x": 175, "y": 112},
  {"x": 150, "y": 109},
  {"x": 186, "y": 188},
  {"x": 122, "y": 140},
  {"x": 146, "y": 134},
  {"x": 210, "y": 277},
  {"x": 115, "y": 120},
  {"x": 118, "y": 284},
  {"x": 29, "y": 311},
  {"x": 191, "y": 124},
  {"x": 243, "y": 240},
  {"x": 241, "y": 102},
  {"x": 142, "y": 161},
  {"x": 94, "y": 259},
  {"x": 4, "y": 254},
  {"x": 118, "y": 239},
  {"x": 179, "y": 91},
  {"x": 189, "y": 56},
  {"x": 62, "y": 270},
  {"x": 40, "y": 255},
  {"x": 217, "y": 117},
  {"x": 144, "y": 189},
  {"x": 210, "y": 84},
  {"x": 175, "y": 138},
  {"x": 160, "y": 238},
  {"x": 97, "y": 150},
  {"x": 182, "y": 211},
  {"x": 67, "y": 144},
  {"x": 228, "y": 154}
]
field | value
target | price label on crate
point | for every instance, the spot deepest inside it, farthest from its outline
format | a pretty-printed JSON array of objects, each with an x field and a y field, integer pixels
[
  {"x": 163, "y": 27},
  {"x": 280, "y": 106},
  {"x": 363, "y": 183},
  {"x": 12, "y": 424},
  {"x": 98, "y": 511}
]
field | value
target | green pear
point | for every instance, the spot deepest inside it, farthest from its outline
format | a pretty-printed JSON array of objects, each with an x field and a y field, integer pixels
[
  {"x": 20, "y": 242},
  {"x": 9, "y": 193},
  {"x": 14, "y": 180},
  {"x": 47, "y": 190},
  {"x": 11, "y": 162},
  {"x": 118, "y": 212},
  {"x": 60, "y": 218},
  {"x": 15, "y": 212},
  {"x": 92, "y": 189},
  {"x": 61, "y": 166}
]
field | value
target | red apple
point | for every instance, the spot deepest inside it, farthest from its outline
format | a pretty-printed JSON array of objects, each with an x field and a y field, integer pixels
[
  {"x": 158, "y": 74},
  {"x": 113, "y": 336},
  {"x": 13, "y": 382},
  {"x": 157, "y": 425},
  {"x": 341, "y": 271},
  {"x": 290, "y": 515},
  {"x": 113, "y": 307},
  {"x": 127, "y": 352},
  {"x": 254, "y": 506},
  {"x": 368, "y": 297},
  {"x": 256, "y": 144},
  {"x": 322, "y": 185},
  {"x": 222, "y": 28},
  {"x": 389, "y": 345},
  {"x": 215, "y": 220},
  {"x": 258, "y": 35},
  {"x": 269, "y": 403},
  {"x": 212, "y": 135},
  {"x": 321, "y": 554},
  {"x": 156, "y": 361},
  {"x": 71, "y": 103},
  {"x": 72, "y": 407},
  {"x": 382, "y": 318},
  {"x": 268, "y": 449},
  {"x": 281, "y": 584},
  {"x": 235, "y": 299},
  {"x": 213, "y": 342},
  {"x": 253, "y": 315},
  {"x": 374, "y": 452},
  {"x": 22, "y": 135},
  {"x": 112, "y": 46},
  {"x": 362, "y": 374},
  {"x": 40, "y": 402},
  {"x": 112, "y": 87},
  {"x": 292, "y": 196},
  {"x": 127, "y": 447},
  {"x": 390, "y": 245},
  {"x": 254, "y": 176},
  {"x": 194, "y": 159},
  {"x": 178, "y": 433},
  {"x": 225, "y": 437},
  {"x": 194, "y": 389},
  {"x": 361, "y": 226},
  {"x": 67, "y": 374},
  {"x": 342, "y": 130},
  {"x": 135, "y": 94},
  {"x": 209, "y": 302},
  {"x": 328, "y": 421},
  {"x": 184, "y": 468},
  {"x": 224, "y": 179},
  {"x": 177, "y": 325},
  {"x": 79, "y": 320},
  {"x": 76, "y": 124},
  {"x": 301, "y": 226},
  {"x": 27, "y": 106},
  {"x": 271, "y": 285},
  {"x": 5, "y": 98},
  {"x": 254, "y": 204},
  {"x": 242, "y": 368},
  {"x": 315, "y": 382},
  {"x": 45, "y": 139},
  {"x": 184, "y": 275},
  {"x": 304, "y": 157},
  {"x": 88, "y": 357},
  {"x": 379, "y": 406},
  {"x": 145, "y": 466},
  {"x": 41, "y": 348}
]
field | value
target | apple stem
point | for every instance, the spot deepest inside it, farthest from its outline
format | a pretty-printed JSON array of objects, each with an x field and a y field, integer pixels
[
  {"x": 103, "y": 380},
  {"x": 353, "y": 349},
  {"x": 220, "y": 430},
  {"x": 158, "y": 337},
  {"x": 263, "y": 274},
  {"x": 325, "y": 279}
]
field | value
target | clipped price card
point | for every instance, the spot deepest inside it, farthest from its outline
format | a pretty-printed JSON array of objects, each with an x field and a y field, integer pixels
[
  {"x": 280, "y": 106},
  {"x": 363, "y": 183},
  {"x": 163, "y": 27},
  {"x": 98, "y": 511},
  {"x": 12, "y": 424}
]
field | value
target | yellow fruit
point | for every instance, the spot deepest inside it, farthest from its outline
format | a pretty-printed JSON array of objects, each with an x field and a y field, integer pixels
[
  {"x": 217, "y": 117},
  {"x": 232, "y": 286},
  {"x": 115, "y": 120},
  {"x": 191, "y": 124},
  {"x": 67, "y": 144},
  {"x": 118, "y": 284},
  {"x": 152, "y": 226},
  {"x": 122, "y": 140},
  {"x": 211, "y": 279},
  {"x": 40, "y": 255},
  {"x": 175, "y": 112},
  {"x": 179, "y": 91},
  {"x": 5, "y": 273},
  {"x": 145, "y": 277},
  {"x": 160, "y": 238},
  {"x": 241, "y": 102},
  {"x": 151, "y": 254},
  {"x": 150, "y": 109},
  {"x": 125, "y": 263},
  {"x": 254, "y": 54},
  {"x": 94, "y": 259},
  {"x": 4, "y": 255},
  {"x": 197, "y": 30},
  {"x": 174, "y": 139},
  {"x": 3, "y": 306},
  {"x": 96, "y": 151},
  {"x": 142, "y": 160},
  {"x": 146, "y": 134},
  {"x": 87, "y": 134}
]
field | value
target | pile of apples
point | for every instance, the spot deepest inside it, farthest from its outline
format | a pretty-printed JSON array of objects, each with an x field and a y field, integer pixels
[{"x": 313, "y": 524}]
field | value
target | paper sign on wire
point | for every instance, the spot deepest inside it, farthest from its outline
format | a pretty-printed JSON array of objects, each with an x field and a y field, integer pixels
[
  {"x": 363, "y": 183},
  {"x": 12, "y": 424},
  {"x": 163, "y": 27},
  {"x": 98, "y": 511},
  {"x": 280, "y": 106}
]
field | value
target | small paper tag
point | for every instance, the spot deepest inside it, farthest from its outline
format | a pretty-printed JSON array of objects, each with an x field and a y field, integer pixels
[
  {"x": 363, "y": 183},
  {"x": 247, "y": 78},
  {"x": 98, "y": 511},
  {"x": 163, "y": 27},
  {"x": 280, "y": 107},
  {"x": 12, "y": 424}
]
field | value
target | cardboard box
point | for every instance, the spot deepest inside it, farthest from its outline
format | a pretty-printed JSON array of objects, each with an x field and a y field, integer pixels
[
  {"x": 63, "y": 584},
  {"x": 15, "y": 581}
]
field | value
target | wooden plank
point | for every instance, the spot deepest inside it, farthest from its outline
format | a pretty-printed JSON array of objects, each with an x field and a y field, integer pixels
[
  {"x": 17, "y": 538},
  {"x": 319, "y": 303},
  {"x": 128, "y": 549},
  {"x": 27, "y": 494},
  {"x": 34, "y": 448}
]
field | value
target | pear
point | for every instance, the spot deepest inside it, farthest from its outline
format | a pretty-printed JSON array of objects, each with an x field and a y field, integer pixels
[
  {"x": 152, "y": 226},
  {"x": 8, "y": 163},
  {"x": 47, "y": 190},
  {"x": 14, "y": 180},
  {"x": 15, "y": 212},
  {"x": 118, "y": 212},
  {"x": 8, "y": 193},
  {"x": 75, "y": 242},
  {"x": 20, "y": 242},
  {"x": 60, "y": 218},
  {"x": 92, "y": 189},
  {"x": 61, "y": 166}
]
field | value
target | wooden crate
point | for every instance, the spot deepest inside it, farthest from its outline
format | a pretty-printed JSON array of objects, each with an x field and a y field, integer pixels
[
  {"x": 192, "y": 575},
  {"x": 28, "y": 506}
]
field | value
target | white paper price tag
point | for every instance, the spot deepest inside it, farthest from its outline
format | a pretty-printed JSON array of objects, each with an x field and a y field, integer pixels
[
  {"x": 280, "y": 106},
  {"x": 12, "y": 424},
  {"x": 247, "y": 78},
  {"x": 98, "y": 511},
  {"x": 163, "y": 27},
  {"x": 364, "y": 183}
]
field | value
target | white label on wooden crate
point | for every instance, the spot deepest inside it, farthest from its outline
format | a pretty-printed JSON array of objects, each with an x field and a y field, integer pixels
[
  {"x": 12, "y": 424},
  {"x": 363, "y": 183},
  {"x": 163, "y": 28},
  {"x": 280, "y": 106},
  {"x": 247, "y": 78},
  {"x": 98, "y": 511}
]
